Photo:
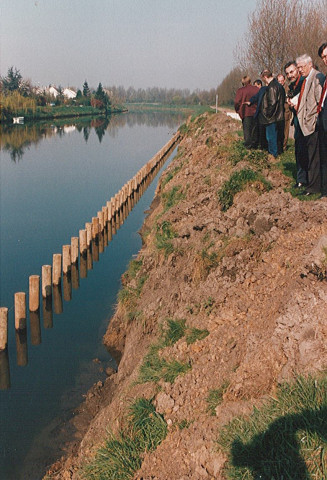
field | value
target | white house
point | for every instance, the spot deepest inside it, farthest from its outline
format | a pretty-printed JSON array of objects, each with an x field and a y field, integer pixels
[
  {"x": 53, "y": 91},
  {"x": 68, "y": 93}
]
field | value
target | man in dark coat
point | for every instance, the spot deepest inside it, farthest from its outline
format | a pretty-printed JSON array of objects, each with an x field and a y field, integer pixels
[
  {"x": 246, "y": 112},
  {"x": 322, "y": 123},
  {"x": 272, "y": 110}
]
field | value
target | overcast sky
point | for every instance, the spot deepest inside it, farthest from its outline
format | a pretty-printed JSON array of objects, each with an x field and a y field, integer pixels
[{"x": 140, "y": 43}]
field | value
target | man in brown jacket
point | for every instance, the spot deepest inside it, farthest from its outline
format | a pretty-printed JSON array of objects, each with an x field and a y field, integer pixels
[{"x": 246, "y": 112}]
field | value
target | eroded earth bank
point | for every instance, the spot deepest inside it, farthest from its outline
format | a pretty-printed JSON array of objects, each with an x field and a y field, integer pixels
[{"x": 235, "y": 267}]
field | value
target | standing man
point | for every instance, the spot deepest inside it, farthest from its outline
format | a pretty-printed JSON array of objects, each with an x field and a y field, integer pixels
[
  {"x": 294, "y": 88},
  {"x": 322, "y": 122},
  {"x": 272, "y": 110},
  {"x": 307, "y": 115},
  {"x": 246, "y": 112},
  {"x": 287, "y": 111}
]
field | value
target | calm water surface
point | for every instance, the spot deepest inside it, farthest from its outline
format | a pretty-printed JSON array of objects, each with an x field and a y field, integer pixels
[{"x": 53, "y": 179}]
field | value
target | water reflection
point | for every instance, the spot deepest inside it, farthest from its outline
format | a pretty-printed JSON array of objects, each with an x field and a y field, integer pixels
[
  {"x": 16, "y": 139},
  {"x": 56, "y": 294}
]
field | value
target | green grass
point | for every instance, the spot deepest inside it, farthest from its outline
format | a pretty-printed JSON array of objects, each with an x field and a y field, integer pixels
[
  {"x": 236, "y": 183},
  {"x": 154, "y": 367},
  {"x": 175, "y": 329},
  {"x": 210, "y": 259},
  {"x": 215, "y": 397},
  {"x": 172, "y": 197},
  {"x": 128, "y": 295},
  {"x": 121, "y": 455},
  {"x": 195, "y": 334},
  {"x": 164, "y": 235},
  {"x": 170, "y": 175},
  {"x": 285, "y": 438}
]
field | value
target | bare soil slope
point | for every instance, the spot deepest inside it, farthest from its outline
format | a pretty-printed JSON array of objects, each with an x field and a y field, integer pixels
[{"x": 250, "y": 275}]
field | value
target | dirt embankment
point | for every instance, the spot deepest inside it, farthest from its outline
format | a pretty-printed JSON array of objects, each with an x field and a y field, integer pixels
[{"x": 249, "y": 275}]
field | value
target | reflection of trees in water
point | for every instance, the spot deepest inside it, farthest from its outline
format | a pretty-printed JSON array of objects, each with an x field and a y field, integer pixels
[{"x": 16, "y": 139}]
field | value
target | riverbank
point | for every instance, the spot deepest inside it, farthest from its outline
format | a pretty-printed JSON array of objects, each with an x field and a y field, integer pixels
[
  {"x": 60, "y": 112},
  {"x": 222, "y": 305}
]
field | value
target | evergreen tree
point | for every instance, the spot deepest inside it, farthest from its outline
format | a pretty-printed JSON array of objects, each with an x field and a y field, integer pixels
[
  {"x": 86, "y": 90},
  {"x": 12, "y": 81}
]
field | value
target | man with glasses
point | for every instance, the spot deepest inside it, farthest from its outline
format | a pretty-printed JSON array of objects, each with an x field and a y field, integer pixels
[
  {"x": 306, "y": 109},
  {"x": 294, "y": 88}
]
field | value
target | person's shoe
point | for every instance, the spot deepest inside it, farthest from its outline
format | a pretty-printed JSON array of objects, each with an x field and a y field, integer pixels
[
  {"x": 299, "y": 185},
  {"x": 307, "y": 194}
]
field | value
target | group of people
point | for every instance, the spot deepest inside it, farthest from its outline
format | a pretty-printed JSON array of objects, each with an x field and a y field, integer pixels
[{"x": 269, "y": 106}]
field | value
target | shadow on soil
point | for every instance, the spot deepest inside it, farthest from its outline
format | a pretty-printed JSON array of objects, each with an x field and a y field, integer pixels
[{"x": 276, "y": 453}]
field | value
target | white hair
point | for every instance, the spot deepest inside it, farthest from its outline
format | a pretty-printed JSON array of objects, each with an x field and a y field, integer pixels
[{"x": 304, "y": 58}]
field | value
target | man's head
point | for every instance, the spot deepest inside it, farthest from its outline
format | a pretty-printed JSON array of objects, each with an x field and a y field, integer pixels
[
  {"x": 291, "y": 70},
  {"x": 258, "y": 83},
  {"x": 322, "y": 52},
  {"x": 304, "y": 64},
  {"x": 281, "y": 79},
  {"x": 246, "y": 80},
  {"x": 266, "y": 76}
]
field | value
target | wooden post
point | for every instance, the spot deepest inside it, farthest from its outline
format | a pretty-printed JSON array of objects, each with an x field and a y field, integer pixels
[
  {"x": 3, "y": 328},
  {"x": 105, "y": 215},
  {"x": 56, "y": 269},
  {"x": 74, "y": 250},
  {"x": 101, "y": 221},
  {"x": 20, "y": 310},
  {"x": 95, "y": 227},
  {"x": 46, "y": 281},
  {"x": 82, "y": 242},
  {"x": 66, "y": 259},
  {"x": 34, "y": 293},
  {"x": 88, "y": 227}
]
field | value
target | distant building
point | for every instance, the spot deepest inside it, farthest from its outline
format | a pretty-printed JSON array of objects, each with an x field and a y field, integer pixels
[
  {"x": 68, "y": 93},
  {"x": 53, "y": 91}
]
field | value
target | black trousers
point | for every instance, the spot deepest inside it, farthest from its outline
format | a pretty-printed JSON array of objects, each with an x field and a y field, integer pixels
[
  {"x": 310, "y": 160},
  {"x": 323, "y": 159},
  {"x": 250, "y": 132}
]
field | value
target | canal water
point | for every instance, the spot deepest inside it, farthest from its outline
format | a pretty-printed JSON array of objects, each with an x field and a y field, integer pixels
[{"x": 53, "y": 179}]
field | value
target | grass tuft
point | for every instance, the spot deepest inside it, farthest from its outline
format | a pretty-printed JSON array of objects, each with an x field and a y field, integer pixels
[
  {"x": 215, "y": 397},
  {"x": 195, "y": 334},
  {"x": 164, "y": 235},
  {"x": 172, "y": 197},
  {"x": 285, "y": 438},
  {"x": 121, "y": 455},
  {"x": 236, "y": 183}
]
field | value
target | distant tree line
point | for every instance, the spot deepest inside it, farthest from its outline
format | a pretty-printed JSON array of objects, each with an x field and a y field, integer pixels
[
  {"x": 165, "y": 96},
  {"x": 278, "y": 31}
]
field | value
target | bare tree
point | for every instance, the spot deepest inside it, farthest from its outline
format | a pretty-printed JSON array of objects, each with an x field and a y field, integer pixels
[{"x": 280, "y": 30}]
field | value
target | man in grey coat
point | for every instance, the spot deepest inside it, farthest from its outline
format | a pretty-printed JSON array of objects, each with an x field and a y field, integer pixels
[{"x": 306, "y": 108}]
